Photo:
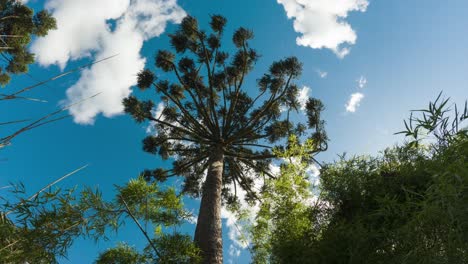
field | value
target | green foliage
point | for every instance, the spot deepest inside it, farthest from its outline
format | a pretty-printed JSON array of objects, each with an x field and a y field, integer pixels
[
  {"x": 122, "y": 254},
  {"x": 438, "y": 121},
  {"x": 283, "y": 215},
  {"x": 406, "y": 206},
  {"x": 42, "y": 227},
  {"x": 18, "y": 24},
  {"x": 147, "y": 202},
  {"x": 173, "y": 248}
]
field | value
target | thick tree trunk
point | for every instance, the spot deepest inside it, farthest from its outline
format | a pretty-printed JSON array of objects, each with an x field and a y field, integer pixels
[{"x": 208, "y": 234}]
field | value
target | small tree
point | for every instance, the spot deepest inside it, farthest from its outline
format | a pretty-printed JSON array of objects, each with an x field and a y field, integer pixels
[
  {"x": 42, "y": 227},
  {"x": 284, "y": 213},
  {"x": 211, "y": 123},
  {"x": 18, "y": 24}
]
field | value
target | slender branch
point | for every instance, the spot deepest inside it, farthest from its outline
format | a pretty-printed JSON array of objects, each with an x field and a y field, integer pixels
[
  {"x": 249, "y": 163},
  {"x": 21, "y": 97},
  {"x": 202, "y": 156},
  {"x": 273, "y": 99},
  {"x": 244, "y": 67},
  {"x": 187, "y": 132},
  {"x": 210, "y": 84},
  {"x": 14, "y": 122},
  {"x": 185, "y": 113},
  {"x": 244, "y": 185},
  {"x": 8, "y": 17},
  {"x": 237, "y": 88},
  {"x": 10, "y": 245},
  {"x": 252, "y": 144},
  {"x": 49, "y": 121},
  {"x": 46, "y": 187},
  {"x": 38, "y": 121},
  {"x": 198, "y": 103},
  {"x": 12, "y": 96},
  {"x": 141, "y": 228},
  {"x": 189, "y": 128}
]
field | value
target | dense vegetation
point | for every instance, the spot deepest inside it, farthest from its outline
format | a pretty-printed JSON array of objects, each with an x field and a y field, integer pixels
[{"x": 407, "y": 205}]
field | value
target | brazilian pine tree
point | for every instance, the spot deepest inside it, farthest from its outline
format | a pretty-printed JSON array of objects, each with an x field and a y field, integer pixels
[
  {"x": 211, "y": 125},
  {"x": 18, "y": 24}
]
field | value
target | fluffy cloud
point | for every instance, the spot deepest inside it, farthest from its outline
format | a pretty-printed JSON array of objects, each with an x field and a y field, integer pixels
[
  {"x": 362, "y": 82},
  {"x": 233, "y": 252},
  {"x": 157, "y": 113},
  {"x": 303, "y": 97},
  {"x": 353, "y": 102},
  {"x": 322, "y": 24},
  {"x": 237, "y": 231},
  {"x": 322, "y": 74},
  {"x": 111, "y": 27}
]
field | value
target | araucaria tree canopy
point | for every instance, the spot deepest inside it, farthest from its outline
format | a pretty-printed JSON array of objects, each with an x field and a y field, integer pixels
[
  {"x": 212, "y": 126},
  {"x": 17, "y": 25}
]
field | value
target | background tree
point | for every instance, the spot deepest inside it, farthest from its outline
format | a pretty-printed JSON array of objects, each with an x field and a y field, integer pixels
[
  {"x": 121, "y": 254},
  {"x": 211, "y": 123},
  {"x": 283, "y": 216},
  {"x": 18, "y": 24},
  {"x": 406, "y": 206}
]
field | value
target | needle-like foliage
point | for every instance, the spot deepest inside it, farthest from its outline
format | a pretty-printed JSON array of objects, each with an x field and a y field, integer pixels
[
  {"x": 18, "y": 24},
  {"x": 206, "y": 106},
  {"x": 44, "y": 226}
]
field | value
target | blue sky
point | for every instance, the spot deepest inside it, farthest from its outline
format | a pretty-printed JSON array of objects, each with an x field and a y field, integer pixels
[{"x": 407, "y": 51}]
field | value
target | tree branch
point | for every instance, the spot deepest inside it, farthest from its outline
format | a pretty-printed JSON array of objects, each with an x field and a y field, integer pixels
[{"x": 141, "y": 228}]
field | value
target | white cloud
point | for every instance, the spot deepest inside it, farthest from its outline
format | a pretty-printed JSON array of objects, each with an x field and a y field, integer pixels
[
  {"x": 303, "y": 97},
  {"x": 274, "y": 169},
  {"x": 76, "y": 37},
  {"x": 151, "y": 128},
  {"x": 193, "y": 219},
  {"x": 322, "y": 74},
  {"x": 157, "y": 113},
  {"x": 237, "y": 231},
  {"x": 362, "y": 82},
  {"x": 96, "y": 30},
  {"x": 233, "y": 251},
  {"x": 322, "y": 24},
  {"x": 353, "y": 102}
]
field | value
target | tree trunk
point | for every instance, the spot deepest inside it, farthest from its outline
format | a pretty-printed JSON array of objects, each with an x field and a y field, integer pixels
[{"x": 208, "y": 234}]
